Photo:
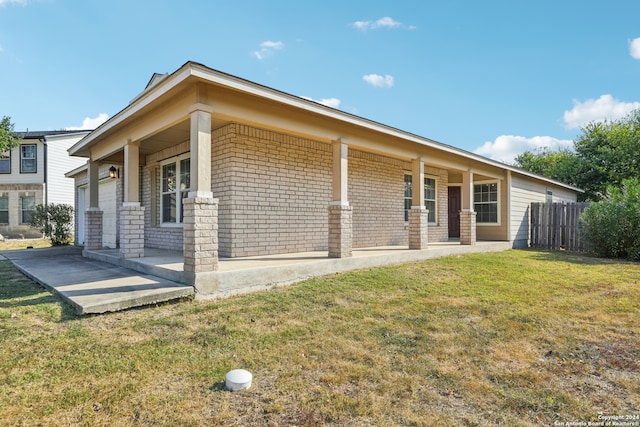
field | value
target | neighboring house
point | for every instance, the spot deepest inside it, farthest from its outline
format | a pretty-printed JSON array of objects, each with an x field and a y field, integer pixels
[
  {"x": 213, "y": 165},
  {"x": 33, "y": 173}
]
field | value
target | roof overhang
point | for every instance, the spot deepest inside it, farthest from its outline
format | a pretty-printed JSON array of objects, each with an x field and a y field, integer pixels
[{"x": 162, "y": 86}]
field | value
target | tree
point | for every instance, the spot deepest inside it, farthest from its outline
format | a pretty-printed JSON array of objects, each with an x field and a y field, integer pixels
[
  {"x": 608, "y": 153},
  {"x": 8, "y": 140},
  {"x": 54, "y": 221},
  {"x": 560, "y": 165},
  {"x": 605, "y": 153},
  {"x": 611, "y": 226}
]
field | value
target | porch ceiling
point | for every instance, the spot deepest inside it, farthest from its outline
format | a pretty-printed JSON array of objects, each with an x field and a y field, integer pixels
[{"x": 172, "y": 136}]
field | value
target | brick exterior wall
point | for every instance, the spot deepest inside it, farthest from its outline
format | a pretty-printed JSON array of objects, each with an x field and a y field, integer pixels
[
  {"x": 274, "y": 191},
  {"x": 376, "y": 193},
  {"x": 440, "y": 232}
]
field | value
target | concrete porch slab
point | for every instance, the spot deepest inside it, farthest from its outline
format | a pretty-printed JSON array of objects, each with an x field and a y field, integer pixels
[
  {"x": 92, "y": 286},
  {"x": 248, "y": 274}
]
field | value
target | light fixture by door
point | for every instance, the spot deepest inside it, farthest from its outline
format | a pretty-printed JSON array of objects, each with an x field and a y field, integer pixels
[{"x": 113, "y": 172}]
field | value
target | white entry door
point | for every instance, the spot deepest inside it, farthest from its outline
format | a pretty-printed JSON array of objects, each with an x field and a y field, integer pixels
[{"x": 107, "y": 204}]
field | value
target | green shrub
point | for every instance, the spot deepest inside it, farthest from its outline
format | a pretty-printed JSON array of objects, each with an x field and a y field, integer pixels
[
  {"x": 54, "y": 221},
  {"x": 611, "y": 227}
]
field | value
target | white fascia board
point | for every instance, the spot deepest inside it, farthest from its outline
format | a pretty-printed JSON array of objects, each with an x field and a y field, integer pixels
[
  {"x": 216, "y": 77},
  {"x": 137, "y": 104}
]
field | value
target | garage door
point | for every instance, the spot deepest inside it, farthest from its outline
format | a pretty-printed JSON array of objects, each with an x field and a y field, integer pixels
[{"x": 107, "y": 204}]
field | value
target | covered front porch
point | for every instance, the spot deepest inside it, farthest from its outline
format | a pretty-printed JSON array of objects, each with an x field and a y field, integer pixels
[{"x": 249, "y": 274}]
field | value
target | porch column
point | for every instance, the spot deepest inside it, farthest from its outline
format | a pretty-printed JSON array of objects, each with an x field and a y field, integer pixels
[
  {"x": 200, "y": 223},
  {"x": 467, "y": 215},
  {"x": 131, "y": 214},
  {"x": 418, "y": 215},
  {"x": 340, "y": 212},
  {"x": 93, "y": 215}
]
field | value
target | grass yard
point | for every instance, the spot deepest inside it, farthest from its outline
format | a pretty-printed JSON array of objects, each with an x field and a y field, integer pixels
[
  {"x": 15, "y": 244},
  {"x": 518, "y": 338}
]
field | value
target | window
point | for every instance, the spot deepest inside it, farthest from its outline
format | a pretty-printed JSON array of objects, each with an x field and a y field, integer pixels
[
  {"x": 5, "y": 161},
  {"x": 26, "y": 208},
  {"x": 485, "y": 202},
  {"x": 407, "y": 196},
  {"x": 175, "y": 183},
  {"x": 429, "y": 197},
  {"x": 549, "y": 196},
  {"x": 28, "y": 158},
  {"x": 4, "y": 210}
]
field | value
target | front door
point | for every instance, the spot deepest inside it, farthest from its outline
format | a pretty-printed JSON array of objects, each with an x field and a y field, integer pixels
[{"x": 454, "y": 211}]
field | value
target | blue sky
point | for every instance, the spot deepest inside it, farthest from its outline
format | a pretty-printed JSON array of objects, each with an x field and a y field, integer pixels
[{"x": 491, "y": 77}]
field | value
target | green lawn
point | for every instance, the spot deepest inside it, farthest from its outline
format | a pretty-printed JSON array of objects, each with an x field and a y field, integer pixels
[{"x": 517, "y": 338}]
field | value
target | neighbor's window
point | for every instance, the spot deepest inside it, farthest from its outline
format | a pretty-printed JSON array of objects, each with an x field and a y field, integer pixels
[
  {"x": 28, "y": 158},
  {"x": 485, "y": 202},
  {"x": 175, "y": 183},
  {"x": 27, "y": 203},
  {"x": 549, "y": 196},
  {"x": 4, "y": 210},
  {"x": 429, "y": 197},
  {"x": 5, "y": 161}
]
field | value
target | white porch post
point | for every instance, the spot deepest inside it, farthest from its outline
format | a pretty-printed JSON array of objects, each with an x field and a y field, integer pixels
[
  {"x": 200, "y": 224},
  {"x": 467, "y": 215},
  {"x": 340, "y": 212},
  {"x": 419, "y": 214},
  {"x": 131, "y": 214},
  {"x": 93, "y": 215}
]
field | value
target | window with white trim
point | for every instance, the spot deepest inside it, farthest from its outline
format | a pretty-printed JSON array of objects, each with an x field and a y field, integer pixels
[
  {"x": 407, "y": 195},
  {"x": 549, "y": 196},
  {"x": 430, "y": 200},
  {"x": 4, "y": 210},
  {"x": 28, "y": 158},
  {"x": 27, "y": 204},
  {"x": 5, "y": 161},
  {"x": 485, "y": 202},
  {"x": 174, "y": 184},
  {"x": 430, "y": 197}
]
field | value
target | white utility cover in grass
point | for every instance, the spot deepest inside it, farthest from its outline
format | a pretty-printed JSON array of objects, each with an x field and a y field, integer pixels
[{"x": 238, "y": 379}]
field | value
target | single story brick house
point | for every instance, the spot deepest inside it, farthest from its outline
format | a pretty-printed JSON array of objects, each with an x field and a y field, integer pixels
[{"x": 216, "y": 166}]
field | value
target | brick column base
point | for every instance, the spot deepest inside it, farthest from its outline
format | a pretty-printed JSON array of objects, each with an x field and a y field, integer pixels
[
  {"x": 418, "y": 228},
  {"x": 92, "y": 230},
  {"x": 340, "y": 231},
  {"x": 200, "y": 236},
  {"x": 132, "y": 231},
  {"x": 467, "y": 227}
]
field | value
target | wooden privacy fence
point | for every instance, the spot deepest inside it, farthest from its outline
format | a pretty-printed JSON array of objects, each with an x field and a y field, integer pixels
[{"x": 555, "y": 226}]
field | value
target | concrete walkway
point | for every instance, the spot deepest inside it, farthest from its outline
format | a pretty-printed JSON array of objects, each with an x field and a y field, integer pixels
[{"x": 92, "y": 286}]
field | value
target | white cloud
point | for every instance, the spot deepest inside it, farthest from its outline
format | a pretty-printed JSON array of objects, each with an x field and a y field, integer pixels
[
  {"x": 5, "y": 2},
  {"x": 597, "y": 110},
  {"x": 329, "y": 102},
  {"x": 634, "y": 48},
  {"x": 505, "y": 148},
  {"x": 90, "y": 123},
  {"x": 377, "y": 80},
  {"x": 267, "y": 48},
  {"x": 385, "y": 22}
]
